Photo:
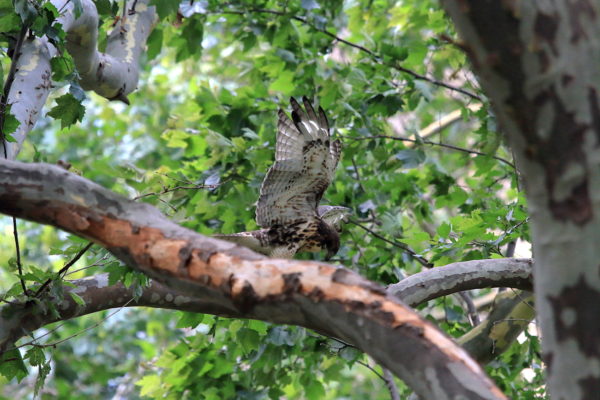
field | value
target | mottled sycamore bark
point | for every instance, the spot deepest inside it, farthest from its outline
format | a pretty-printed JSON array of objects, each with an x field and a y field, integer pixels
[
  {"x": 466, "y": 275},
  {"x": 511, "y": 313},
  {"x": 112, "y": 74},
  {"x": 508, "y": 317},
  {"x": 238, "y": 282},
  {"x": 539, "y": 64}
]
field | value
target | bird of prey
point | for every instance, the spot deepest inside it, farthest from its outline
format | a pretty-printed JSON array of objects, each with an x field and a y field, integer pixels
[{"x": 288, "y": 209}]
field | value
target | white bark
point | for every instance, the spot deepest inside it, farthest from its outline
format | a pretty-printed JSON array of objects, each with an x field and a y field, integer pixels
[
  {"x": 538, "y": 62},
  {"x": 29, "y": 90},
  {"x": 465, "y": 275},
  {"x": 112, "y": 74}
]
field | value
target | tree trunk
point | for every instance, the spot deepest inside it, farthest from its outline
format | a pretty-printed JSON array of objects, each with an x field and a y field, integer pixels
[{"x": 538, "y": 62}]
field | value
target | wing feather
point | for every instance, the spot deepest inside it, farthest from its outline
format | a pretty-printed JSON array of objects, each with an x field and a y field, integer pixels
[{"x": 305, "y": 162}]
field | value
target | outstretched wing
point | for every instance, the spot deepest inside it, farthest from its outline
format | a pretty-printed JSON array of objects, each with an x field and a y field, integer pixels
[{"x": 305, "y": 162}]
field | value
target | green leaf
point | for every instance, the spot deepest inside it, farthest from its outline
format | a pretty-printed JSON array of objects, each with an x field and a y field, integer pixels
[
  {"x": 193, "y": 33},
  {"x": 26, "y": 11},
  {"x": 37, "y": 275},
  {"x": 154, "y": 43},
  {"x": 103, "y": 6},
  {"x": 11, "y": 124},
  {"x": 248, "y": 338},
  {"x": 43, "y": 371},
  {"x": 149, "y": 385},
  {"x": 78, "y": 299},
  {"x": 176, "y": 138},
  {"x": 68, "y": 110},
  {"x": 443, "y": 230},
  {"x": 12, "y": 365},
  {"x": 393, "y": 52},
  {"x": 284, "y": 84},
  {"x": 315, "y": 390},
  {"x": 115, "y": 272},
  {"x": 411, "y": 158},
  {"x": 9, "y": 22},
  {"x": 165, "y": 8},
  {"x": 35, "y": 355},
  {"x": 189, "y": 320},
  {"x": 61, "y": 66}
]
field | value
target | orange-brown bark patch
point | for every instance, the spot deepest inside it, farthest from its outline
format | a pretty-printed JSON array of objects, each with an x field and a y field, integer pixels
[
  {"x": 198, "y": 270},
  {"x": 165, "y": 254},
  {"x": 71, "y": 220}
]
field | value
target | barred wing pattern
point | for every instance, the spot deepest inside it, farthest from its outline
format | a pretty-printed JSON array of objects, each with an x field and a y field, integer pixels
[{"x": 305, "y": 162}]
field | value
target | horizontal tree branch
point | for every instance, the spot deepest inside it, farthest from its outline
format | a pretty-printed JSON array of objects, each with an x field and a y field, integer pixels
[
  {"x": 16, "y": 320},
  {"x": 436, "y": 282},
  {"x": 331, "y": 300}
]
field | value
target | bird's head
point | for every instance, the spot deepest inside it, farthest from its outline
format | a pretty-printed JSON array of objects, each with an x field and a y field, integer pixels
[
  {"x": 330, "y": 237},
  {"x": 333, "y": 215}
]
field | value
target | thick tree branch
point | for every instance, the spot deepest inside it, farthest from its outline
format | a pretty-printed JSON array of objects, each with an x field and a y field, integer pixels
[
  {"x": 112, "y": 74},
  {"x": 436, "y": 282},
  {"x": 29, "y": 90},
  {"x": 330, "y": 300},
  {"x": 511, "y": 312},
  {"x": 10, "y": 78},
  {"x": 99, "y": 296}
]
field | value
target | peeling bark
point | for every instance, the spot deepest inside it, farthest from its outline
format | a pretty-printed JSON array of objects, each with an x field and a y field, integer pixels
[
  {"x": 16, "y": 319},
  {"x": 457, "y": 277},
  {"x": 538, "y": 63},
  {"x": 328, "y": 299},
  {"x": 29, "y": 90},
  {"x": 112, "y": 74}
]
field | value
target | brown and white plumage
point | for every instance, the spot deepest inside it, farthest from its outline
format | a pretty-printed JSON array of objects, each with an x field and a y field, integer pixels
[
  {"x": 305, "y": 162},
  {"x": 288, "y": 206}
]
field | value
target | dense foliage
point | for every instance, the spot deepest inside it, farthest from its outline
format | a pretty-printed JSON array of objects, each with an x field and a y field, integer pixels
[{"x": 196, "y": 141}]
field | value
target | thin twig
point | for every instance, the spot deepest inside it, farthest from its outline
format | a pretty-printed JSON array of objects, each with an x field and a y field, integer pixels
[
  {"x": 172, "y": 189},
  {"x": 64, "y": 269},
  {"x": 102, "y": 261},
  {"x": 64, "y": 6},
  {"x": 32, "y": 342},
  {"x": 471, "y": 309},
  {"x": 8, "y": 84},
  {"x": 18, "y": 250},
  {"x": 359, "y": 179},
  {"x": 388, "y": 377},
  {"x": 448, "y": 146},
  {"x": 402, "y": 246},
  {"x": 364, "y": 364},
  {"x": 377, "y": 58}
]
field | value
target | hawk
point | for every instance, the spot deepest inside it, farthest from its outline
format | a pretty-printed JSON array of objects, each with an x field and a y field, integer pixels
[{"x": 288, "y": 208}]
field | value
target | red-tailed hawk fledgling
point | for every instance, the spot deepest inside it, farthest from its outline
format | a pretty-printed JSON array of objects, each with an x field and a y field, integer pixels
[{"x": 288, "y": 208}]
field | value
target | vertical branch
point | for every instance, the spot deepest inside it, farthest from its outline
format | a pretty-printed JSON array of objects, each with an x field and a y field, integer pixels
[{"x": 8, "y": 84}]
